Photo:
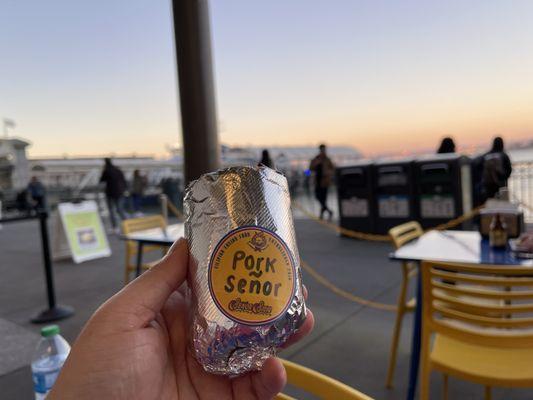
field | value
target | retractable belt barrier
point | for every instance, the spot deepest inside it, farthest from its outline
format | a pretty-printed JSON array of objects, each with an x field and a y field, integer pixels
[
  {"x": 382, "y": 238},
  {"x": 343, "y": 293},
  {"x": 362, "y": 236},
  {"x": 372, "y": 237},
  {"x": 385, "y": 238}
]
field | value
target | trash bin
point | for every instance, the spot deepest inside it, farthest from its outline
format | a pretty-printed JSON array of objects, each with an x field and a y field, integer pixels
[
  {"x": 395, "y": 197},
  {"x": 355, "y": 197},
  {"x": 444, "y": 188}
]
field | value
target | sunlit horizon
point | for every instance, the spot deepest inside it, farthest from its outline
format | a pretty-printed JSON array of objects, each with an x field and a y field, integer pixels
[{"x": 386, "y": 78}]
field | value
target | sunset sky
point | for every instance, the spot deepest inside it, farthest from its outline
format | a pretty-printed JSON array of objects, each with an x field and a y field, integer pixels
[{"x": 383, "y": 76}]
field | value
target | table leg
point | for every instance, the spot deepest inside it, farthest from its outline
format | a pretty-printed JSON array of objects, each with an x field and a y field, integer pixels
[
  {"x": 139, "y": 258},
  {"x": 415, "y": 344}
]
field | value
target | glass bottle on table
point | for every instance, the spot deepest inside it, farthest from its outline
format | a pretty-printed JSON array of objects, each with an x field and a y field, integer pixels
[{"x": 498, "y": 232}]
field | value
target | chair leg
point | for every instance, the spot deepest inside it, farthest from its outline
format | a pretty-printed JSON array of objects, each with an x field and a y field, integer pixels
[
  {"x": 425, "y": 380},
  {"x": 444, "y": 386},
  {"x": 425, "y": 373},
  {"x": 394, "y": 345},
  {"x": 127, "y": 254},
  {"x": 397, "y": 330},
  {"x": 127, "y": 273},
  {"x": 126, "y": 276},
  {"x": 488, "y": 393}
]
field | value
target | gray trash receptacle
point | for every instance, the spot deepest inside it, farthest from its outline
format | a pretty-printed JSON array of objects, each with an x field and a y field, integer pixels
[
  {"x": 394, "y": 191},
  {"x": 355, "y": 197},
  {"x": 444, "y": 188}
]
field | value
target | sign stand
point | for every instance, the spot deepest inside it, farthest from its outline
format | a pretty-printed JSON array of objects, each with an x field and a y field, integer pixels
[{"x": 60, "y": 248}]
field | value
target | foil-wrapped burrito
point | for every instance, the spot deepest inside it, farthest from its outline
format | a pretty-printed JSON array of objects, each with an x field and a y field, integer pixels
[{"x": 245, "y": 278}]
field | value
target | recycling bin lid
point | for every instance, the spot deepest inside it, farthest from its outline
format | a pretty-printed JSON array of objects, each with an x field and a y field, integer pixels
[
  {"x": 394, "y": 161},
  {"x": 445, "y": 157},
  {"x": 364, "y": 162}
]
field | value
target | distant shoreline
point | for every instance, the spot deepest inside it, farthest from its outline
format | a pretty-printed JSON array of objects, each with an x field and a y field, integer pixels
[{"x": 521, "y": 155}]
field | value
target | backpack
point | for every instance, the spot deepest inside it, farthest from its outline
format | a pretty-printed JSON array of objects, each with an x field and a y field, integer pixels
[{"x": 493, "y": 171}]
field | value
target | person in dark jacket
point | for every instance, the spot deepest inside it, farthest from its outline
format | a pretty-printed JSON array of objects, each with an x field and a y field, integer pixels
[
  {"x": 497, "y": 168},
  {"x": 446, "y": 146},
  {"x": 138, "y": 185},
  {"x": 37, "y": 193},
  {"x": 324, "y": 169},
  {"x": 115, "y": 186},
  {"x": 478, "y": 193},
  {"x": 266, "y": 160}
]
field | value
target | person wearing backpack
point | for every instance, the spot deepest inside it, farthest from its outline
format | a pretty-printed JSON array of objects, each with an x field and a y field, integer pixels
[
  {"x": 115, "y": 187},
  {"x": 496, "y": 169}
]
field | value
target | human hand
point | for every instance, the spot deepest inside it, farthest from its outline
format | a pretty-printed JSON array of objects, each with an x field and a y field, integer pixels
[{"x": 135, "y": 347}]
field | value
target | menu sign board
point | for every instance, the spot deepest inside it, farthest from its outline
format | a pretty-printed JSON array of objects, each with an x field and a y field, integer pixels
[{"x": 84, "y": 230}]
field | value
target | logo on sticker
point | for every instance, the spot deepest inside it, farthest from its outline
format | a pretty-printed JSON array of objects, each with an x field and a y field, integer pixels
[{"x": 251, "y": 276}]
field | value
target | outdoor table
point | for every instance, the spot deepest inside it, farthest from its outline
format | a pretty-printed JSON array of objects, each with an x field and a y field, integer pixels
[
  {"x": 446, "y": 246},
  {"x": 163, "y": 237}
]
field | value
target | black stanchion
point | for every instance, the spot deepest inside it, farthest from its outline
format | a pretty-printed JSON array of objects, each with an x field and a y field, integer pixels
[{"x": 54, "y": 312}]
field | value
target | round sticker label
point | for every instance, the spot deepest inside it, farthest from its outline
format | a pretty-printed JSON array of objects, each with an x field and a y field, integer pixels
[{"x": 252, "y": 276}]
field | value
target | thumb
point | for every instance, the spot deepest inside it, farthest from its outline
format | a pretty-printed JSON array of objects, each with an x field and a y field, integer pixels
[{"x": 146, "y": 295}]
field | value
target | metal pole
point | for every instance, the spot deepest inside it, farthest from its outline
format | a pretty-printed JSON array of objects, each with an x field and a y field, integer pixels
[
  {"x": 50, "y": 291},
  {"x": 54, "y": 312},
  {"x": 201, "y": 149}
]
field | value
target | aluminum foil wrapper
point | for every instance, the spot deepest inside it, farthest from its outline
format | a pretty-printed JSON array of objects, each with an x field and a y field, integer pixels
[{"x": 245, "y": 278}]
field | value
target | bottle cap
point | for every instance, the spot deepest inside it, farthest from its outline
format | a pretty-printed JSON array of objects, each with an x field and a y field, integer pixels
[{"x": 49, "y": 330}]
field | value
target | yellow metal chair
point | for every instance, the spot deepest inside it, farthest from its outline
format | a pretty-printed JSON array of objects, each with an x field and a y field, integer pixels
[
  {"x": 489, "y": 343},
  {"x": 318, "y": 384},
  {"x": 401, "y": 235},
  {"x": 135, "y": 225}
]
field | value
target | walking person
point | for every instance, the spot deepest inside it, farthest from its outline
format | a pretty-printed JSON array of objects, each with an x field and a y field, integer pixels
[
  {"x": 137, "y": 191},
  {"x": 115, "y": 186},
  {"x": 324, "y": 169},
  {"x": 497, "y": 169}
]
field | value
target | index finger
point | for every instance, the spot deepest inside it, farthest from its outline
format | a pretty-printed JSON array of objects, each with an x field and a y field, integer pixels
[{"x": 143, "y": 298}]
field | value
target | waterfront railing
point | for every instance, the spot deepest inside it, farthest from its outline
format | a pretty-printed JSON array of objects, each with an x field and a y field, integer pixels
[{"x": 521, "y": 187}]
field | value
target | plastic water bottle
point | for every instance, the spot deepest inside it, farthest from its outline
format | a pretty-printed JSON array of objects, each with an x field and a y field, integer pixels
[{"x": 49, "y": 356}]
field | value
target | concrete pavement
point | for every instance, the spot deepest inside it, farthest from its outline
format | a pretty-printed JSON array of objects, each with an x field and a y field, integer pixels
[{"x": 350, "y": 342}]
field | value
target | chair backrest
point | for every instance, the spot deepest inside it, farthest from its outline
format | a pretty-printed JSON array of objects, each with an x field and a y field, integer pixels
[
  {"x": 142, "y": 223},
  {"x": 318, "y": 384},
  {"x": 481, "y": 304},
  {"x": 404, "y": 233}
]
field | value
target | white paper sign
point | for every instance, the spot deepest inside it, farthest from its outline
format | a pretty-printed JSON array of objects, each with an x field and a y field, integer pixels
[
  {"x": 437, "y": 207},
  {"x": 84, "y": 230},
  {"x": 354, "y": 207},
  {"x": 393, "y": 206}
]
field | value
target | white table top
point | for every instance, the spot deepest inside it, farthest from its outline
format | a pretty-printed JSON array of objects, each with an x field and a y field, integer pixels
[
  {"x": 456, "y": 246},
  {"x": 158, "y": 235}
]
